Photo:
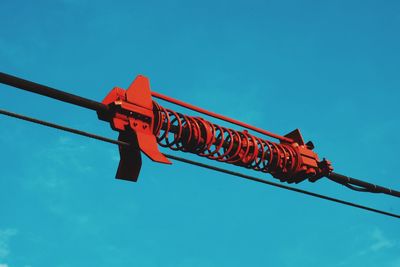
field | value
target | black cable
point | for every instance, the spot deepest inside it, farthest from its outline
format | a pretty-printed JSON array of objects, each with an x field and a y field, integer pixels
[
  {"x": 52, "y": 92},
  {"x": 56, "y": 126},
  {"x": 351, "y": 182},
  {"x": 252, "y": 178},
  {"x": 248, "y": 177}
]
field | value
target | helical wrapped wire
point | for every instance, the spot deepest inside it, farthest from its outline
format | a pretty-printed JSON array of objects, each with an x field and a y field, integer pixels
[{"x": 198, "y": 136}]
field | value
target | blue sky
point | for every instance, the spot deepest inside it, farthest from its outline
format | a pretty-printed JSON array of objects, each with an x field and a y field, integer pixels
[{"x": 329, "y": 68}]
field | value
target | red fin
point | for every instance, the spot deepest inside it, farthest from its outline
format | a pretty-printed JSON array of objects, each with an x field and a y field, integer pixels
[
  {"x": 295, "y": 135},
  {"x": 148, "y": 145},
  {"x": 139, "y": 92}
]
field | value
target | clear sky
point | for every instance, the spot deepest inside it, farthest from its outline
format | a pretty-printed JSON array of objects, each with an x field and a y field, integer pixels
[{"x": 330, "y": 68}]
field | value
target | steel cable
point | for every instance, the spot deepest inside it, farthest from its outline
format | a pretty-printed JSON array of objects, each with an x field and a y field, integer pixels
[
  {"x": 248, "y": 177},
  {"x": 352, "y": 183}
]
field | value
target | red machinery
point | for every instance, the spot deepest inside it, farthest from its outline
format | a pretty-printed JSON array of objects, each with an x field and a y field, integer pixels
[{"x": 145, "y": 123}]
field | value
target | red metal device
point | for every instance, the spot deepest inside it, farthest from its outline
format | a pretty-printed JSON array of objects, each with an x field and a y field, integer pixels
[{"x": 146, "y": 124}]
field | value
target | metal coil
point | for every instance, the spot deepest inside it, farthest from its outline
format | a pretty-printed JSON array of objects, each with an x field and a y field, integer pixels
[{"x": 198, "y": 136}]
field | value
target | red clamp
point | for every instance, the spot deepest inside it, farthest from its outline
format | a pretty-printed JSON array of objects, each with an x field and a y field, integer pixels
[
  {"x": 131, "y": 113},
  {"x": 308, "y": 166}
]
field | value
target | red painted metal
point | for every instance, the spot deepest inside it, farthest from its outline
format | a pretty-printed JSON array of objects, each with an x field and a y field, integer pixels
[
  {"x": 219, "y": 116},
  {"x": 135, "y": 115},
  {"x": 133, "y": 110},
  {"x": 132, "y": 113}
]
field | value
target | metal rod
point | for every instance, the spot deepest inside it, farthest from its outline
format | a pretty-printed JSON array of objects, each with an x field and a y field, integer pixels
[{"x": 218, "y": 116}]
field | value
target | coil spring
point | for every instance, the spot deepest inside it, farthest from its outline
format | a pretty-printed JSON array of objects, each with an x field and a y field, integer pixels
[{"x": 199, "y": 136}]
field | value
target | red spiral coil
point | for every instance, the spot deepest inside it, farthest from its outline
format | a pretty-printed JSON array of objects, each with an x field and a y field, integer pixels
[{"x": 199, "y": 136}]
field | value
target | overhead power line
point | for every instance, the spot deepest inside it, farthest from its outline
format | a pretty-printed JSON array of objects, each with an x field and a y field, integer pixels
[
  {"x": 241, "y": 148},
  {"x": 199, "y": 164},
  {"x": 352, "y": 183}
]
